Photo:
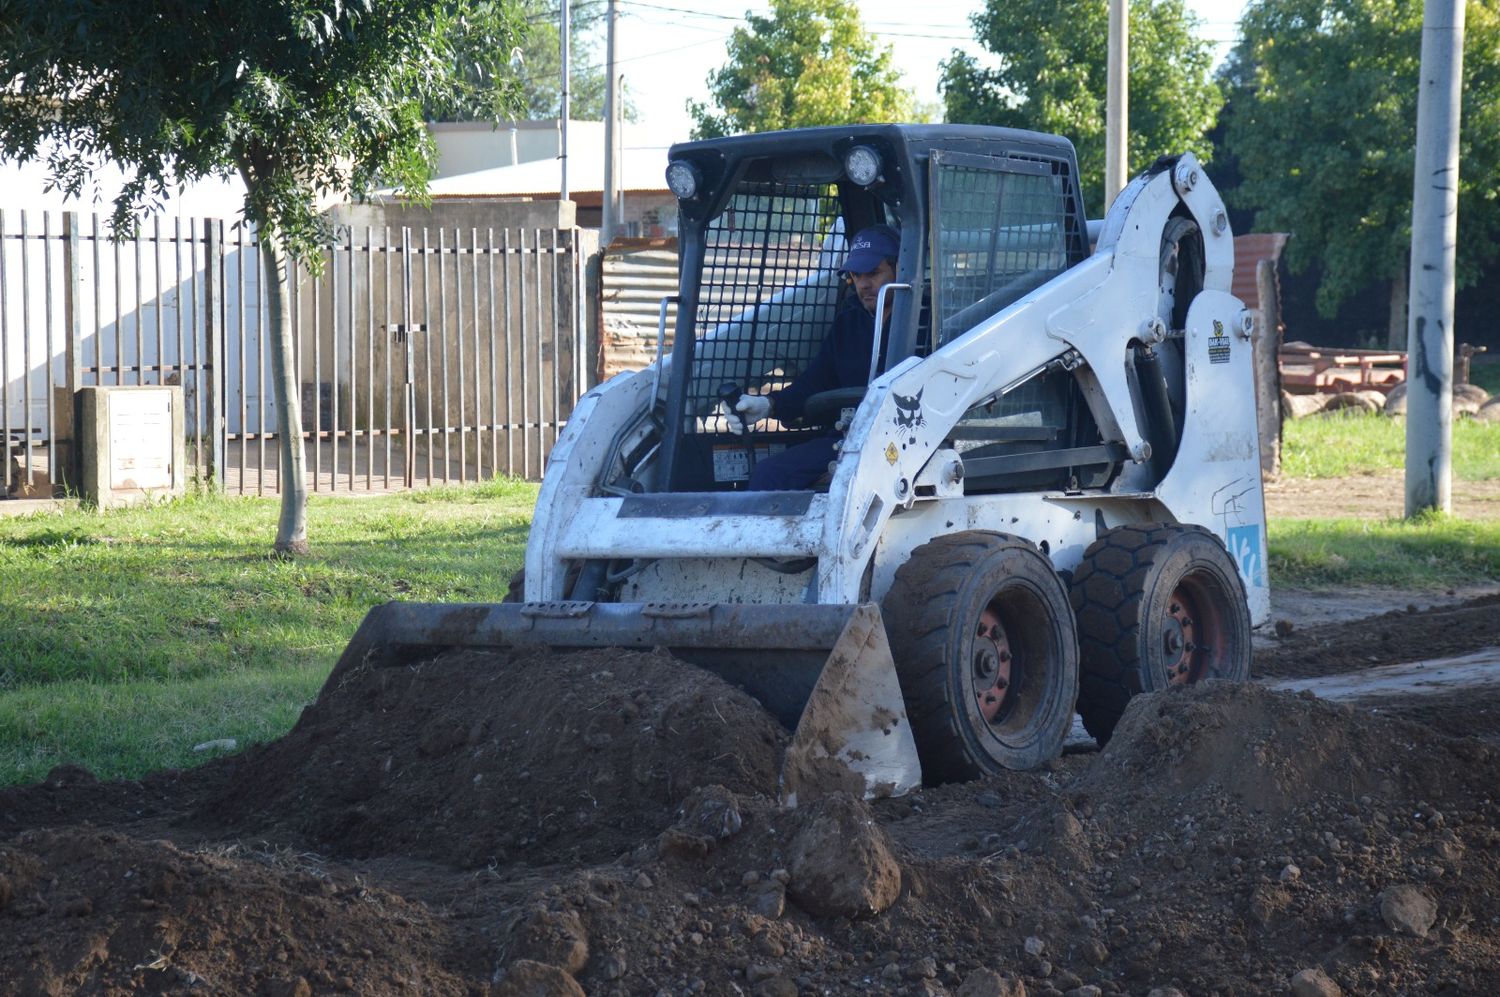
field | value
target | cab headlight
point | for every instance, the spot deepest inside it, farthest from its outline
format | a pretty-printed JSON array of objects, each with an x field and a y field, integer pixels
[
  {"x": 862, "y": 165},
  {"x": 683, "y": 179}
]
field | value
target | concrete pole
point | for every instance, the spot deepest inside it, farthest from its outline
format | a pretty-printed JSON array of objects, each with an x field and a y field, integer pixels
[
  {"x": 562, "y": 121},
  {"x": 611, "y": 125},
  {"x": 1434, "y": 241},
  {"x": 1117, "y": 101}
]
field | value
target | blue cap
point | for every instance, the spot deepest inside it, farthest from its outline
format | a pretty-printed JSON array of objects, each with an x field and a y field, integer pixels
[{"x": 871, "y": 245}]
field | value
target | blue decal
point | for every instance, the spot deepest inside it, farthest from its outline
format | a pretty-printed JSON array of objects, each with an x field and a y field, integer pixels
[{"x": 1244, "y": 547}]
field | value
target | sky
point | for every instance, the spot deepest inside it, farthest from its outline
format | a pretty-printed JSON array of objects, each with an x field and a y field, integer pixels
[{"x": 666, "y": 49}]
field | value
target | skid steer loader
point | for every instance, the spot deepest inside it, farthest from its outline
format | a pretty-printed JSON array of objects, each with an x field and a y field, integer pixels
[{"x": 1049, "y": 493}]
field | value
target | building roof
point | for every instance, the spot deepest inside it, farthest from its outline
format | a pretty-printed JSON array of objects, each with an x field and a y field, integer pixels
[{"x": 641, "y": 170}]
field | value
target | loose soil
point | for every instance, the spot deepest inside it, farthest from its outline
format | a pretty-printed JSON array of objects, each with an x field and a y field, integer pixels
[
  {"x": 607, "y": 823},
  {"x": 1370, "y": 496}
]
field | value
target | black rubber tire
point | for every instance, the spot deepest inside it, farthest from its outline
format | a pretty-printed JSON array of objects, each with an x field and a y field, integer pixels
[
  {"x": 515, "y": 591},
  {"x": 1123, "y": 596},
  {"x": 931, "y": 614}
]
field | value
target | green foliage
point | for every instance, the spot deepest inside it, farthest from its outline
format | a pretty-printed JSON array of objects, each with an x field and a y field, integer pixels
[
  {"x": 1050, "y": 77},
  {"x": 1434, "y": 552},
  {"x": 1338, "y": 445},
  {"x": 810, "y": 63},
  {"x": 1323, "y": 123},
  {"x": 300, "y": 97},
  {"x": 536, "y": 60},
  {"x": 174, "y": 624}
]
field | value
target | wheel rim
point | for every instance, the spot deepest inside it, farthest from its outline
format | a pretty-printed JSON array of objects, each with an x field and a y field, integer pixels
[
  {"x": 1194, "y": 632},
  {"x": 991, "y": 667}
]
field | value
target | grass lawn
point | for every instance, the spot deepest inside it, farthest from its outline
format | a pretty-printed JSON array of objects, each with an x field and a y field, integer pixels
[
  {"x": 132, "y": 636},
  {"x": 1337, "y": 445}
]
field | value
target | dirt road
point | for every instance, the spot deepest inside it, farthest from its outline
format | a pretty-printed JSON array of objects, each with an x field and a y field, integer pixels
[{"x": 477, "y": 826}]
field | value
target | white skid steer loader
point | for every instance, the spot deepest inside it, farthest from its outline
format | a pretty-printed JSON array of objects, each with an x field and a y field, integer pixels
[{"x": 1047, "y": 496}]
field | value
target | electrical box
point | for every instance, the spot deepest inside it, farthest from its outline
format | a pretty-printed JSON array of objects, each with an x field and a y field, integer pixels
[{"x": 131, "y": 444}]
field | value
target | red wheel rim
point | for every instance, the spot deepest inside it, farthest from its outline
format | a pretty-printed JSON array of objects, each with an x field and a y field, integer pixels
[
  {"x": 1193, "y": 633},
  {"x": 991, "y": 666}
]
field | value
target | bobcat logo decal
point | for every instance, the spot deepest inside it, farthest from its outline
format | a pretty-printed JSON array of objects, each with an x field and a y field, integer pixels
[{"x": 909, "y": 413}]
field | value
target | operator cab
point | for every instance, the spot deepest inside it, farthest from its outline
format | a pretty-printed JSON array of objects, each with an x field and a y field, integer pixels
[{"x": 986, "y": 215}]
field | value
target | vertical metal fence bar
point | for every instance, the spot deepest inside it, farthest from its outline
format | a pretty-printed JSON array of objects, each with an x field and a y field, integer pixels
[
  {"x": 195, "y": 328},
  {"x": 555, "y": 268},
  {"x": 299, "y": 363},
  {"x": 369, "y": 430},
  {"x": 98, "y": 307},
  {"x": 385, "y": 344},
  {"x": 214, "y": 320},
  {"x": 244, "y": 385},
  {"x": 524, "y": 364},
  {"x": 474, "y": 258},
  {"x": 408, "y": 356},
  {"x": 138, "y": 314},
  {"x": 48, "y": 386},
  {"x": 494, "y": 379},
  {"x": 259, "y": 269},
  {"x": 430, "y": 327},
  {"x": 4, "y": 359},
  {"x": 178, "y": 368},
  {"x": 161, "y": 349},
  {"x": 510, "y": 361},
  {"x": 317, "y": 363},
  {"x": 541, "y": 370},
  {"x": 26, "y": 407},
  {"x": 353, "y": 398},
  {"x": 443, "y": 343},
  {"x": 458, "y": 348},
  {"x": 119, "y": 322}
]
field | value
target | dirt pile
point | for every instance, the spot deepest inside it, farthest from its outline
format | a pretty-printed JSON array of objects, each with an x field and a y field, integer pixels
[
  {"x": 486, "y": 759},
  {"x": 1227, "y": 840}
]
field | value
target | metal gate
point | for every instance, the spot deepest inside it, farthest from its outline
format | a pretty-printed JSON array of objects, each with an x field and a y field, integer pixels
[{"x": 424, "y": 356}]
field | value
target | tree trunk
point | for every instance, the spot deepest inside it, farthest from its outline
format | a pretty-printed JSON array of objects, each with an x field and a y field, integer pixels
[
  {"x": 1395, "y": 333},
  {"x": 291, "y": 530}
]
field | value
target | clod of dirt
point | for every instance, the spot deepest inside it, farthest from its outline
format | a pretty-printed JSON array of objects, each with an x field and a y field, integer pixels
[
  {"x": 524, "y": 978},
  {"x": 535, "y": 758},
  {"x": 841, "y": 863},
  {"x": 985, "y": 982},
  {"x": 1315, "y": 983},
  {"x": 1408, "y": 910},
  {"x": 554, "y": 937}
]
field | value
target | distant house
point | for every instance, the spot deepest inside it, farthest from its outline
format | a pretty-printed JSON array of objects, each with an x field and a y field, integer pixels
[{"x": 524, "y": 165}]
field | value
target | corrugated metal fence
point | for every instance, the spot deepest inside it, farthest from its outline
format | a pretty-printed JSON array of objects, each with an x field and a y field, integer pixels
[{"x": 424, "y": 355}]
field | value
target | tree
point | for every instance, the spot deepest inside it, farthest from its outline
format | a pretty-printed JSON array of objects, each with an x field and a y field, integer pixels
[
  {"x": 536, "y": 58},
  {"x": 810, "y": 63},
  {"x": 1050, "y": 77},
  {"x": 1325, "y": 131},
  {"x": 299, "y": 97}
]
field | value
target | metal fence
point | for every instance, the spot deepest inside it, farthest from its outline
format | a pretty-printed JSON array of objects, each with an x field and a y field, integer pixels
[{"x": 424, "y": 355}]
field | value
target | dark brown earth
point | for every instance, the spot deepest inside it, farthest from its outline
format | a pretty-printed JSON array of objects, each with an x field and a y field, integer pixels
[{"x": 607, "y": 823}]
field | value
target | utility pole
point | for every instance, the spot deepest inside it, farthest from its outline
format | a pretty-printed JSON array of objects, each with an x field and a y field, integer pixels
[
  {"x": 611, "y": 219},
  {"x": 562, "y": 122},
  {"x": 1117, "y": 101},
  {"x": 1434, "y": 242}
]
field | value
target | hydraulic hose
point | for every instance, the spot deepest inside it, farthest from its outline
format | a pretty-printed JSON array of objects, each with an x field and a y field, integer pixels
[{"x": 1161, "y": 426}]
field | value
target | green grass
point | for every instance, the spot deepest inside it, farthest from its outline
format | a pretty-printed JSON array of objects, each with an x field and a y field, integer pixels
[
  {"x": 1434, "y": 553},
  {"x": 1337, "y": 445},
  {"x": 131, "y": 636}
]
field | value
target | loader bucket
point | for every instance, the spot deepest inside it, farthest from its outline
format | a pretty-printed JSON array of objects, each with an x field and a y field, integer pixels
[{"x": 824, "y": 672}]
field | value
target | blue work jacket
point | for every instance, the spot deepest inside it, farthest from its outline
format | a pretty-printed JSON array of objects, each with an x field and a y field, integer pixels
[{"x": 843, "y": 361}]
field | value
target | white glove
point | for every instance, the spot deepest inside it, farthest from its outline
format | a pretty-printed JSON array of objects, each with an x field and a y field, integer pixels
[{"x": 751, "y": 409}]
